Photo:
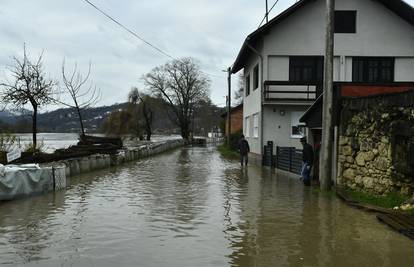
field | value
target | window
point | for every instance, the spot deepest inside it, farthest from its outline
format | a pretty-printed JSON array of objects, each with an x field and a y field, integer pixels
[
  {"x": 297, "y": 129},
  {"x": 256, "y": 77},
  {"x": 256, "y": 125},
  {"x": 373, "y": 69},
  {"x": 345, "y": 21},
  {"x": 306, "y": 69},
  {"x": 248, "y": 85},
  {"x": 247, "y": 126}
]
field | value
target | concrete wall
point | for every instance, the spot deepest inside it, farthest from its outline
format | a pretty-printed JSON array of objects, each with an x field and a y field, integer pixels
[{"x": 56, "y": 174}]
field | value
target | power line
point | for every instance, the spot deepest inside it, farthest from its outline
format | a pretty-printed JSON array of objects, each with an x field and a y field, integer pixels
[
  {"x": 137, "y": 35},
  {"x": 128, "y": 30}
]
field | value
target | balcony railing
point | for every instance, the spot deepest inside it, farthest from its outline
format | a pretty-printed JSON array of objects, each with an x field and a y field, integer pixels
[{"x": 291, "y": 91}]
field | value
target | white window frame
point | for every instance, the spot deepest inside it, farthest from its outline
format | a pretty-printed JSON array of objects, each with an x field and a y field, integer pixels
[
  {"x": 256, "y": 125},
  {"x": 247, "y": 126},
  {"x": 295, "y": 116}
]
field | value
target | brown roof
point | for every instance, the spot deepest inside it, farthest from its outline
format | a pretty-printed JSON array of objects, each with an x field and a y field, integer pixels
[{"x": 233, "y": 109}]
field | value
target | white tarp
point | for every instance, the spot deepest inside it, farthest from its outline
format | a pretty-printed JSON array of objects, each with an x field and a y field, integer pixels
[{"x": 25, "y": 180}]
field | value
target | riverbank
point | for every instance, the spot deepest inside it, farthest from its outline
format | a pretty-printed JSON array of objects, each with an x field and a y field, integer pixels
[{"x": 19, "y": 181}]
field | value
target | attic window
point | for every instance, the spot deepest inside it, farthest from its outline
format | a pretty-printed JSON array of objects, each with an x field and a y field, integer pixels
[{"x": 345, "y": 21}]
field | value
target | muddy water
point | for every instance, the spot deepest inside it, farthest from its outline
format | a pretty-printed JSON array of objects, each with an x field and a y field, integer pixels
[{"x": 192, "y": 208}]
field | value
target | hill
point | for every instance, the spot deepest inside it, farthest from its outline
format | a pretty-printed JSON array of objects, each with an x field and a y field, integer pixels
[{"x": 65, "y": 120}]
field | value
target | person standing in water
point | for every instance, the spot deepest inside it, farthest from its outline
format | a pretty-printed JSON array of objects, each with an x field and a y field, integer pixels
[
  {"x": 244, "y": 150},
  {"x": 307, "y": 158}
]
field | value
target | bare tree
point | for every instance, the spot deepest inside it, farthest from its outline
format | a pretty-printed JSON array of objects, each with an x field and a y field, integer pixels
[
  {"x": 143, "y": 109},
  {"x": 181, "y": 84},
  {"x": 238, "y": 94},
  {"x": 30, "y": 86},
  {"x": 84, "y": 95},
  {"x": 148, "y": 115}
]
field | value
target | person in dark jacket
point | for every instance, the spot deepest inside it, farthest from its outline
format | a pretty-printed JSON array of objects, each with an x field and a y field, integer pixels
[
  {"x": 307, "y": 158},
  {"x": 244, "y": 150}
]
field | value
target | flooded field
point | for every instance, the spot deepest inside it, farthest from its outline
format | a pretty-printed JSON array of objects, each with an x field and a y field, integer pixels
[{"x": 190, "y": 207}]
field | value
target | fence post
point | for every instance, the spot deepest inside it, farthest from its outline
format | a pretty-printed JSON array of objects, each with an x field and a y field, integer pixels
[{"x": 277, "y": 156}]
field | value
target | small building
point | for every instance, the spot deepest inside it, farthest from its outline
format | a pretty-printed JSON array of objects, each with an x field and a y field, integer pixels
[
  {"x": 373, "y": 147},
  {"x": 283, "y": 62},
  {"x": 236, "y": 115}
]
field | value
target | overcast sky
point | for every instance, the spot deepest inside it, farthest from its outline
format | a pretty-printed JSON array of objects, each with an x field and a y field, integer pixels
[{"x": 212, "y": 31}]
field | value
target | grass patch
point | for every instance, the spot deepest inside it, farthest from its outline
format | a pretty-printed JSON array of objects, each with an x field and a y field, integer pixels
[
  {"x": 389, "y": 201},
  {"x": 228, "y": 152}
]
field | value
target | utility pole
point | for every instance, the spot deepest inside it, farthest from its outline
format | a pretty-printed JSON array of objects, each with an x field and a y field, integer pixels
[
  {"x": 325, "y": 175},
  {"x": 267, "y": 12},
  {"x": 229, "y": 106}
]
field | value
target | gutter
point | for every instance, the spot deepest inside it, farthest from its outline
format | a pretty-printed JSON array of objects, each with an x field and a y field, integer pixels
[{"x": 262, "y": 91}]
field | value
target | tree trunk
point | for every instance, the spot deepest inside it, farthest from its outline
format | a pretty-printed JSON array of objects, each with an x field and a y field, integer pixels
[
  {"x": 185, "y": 130},
  {"x": 148, "y": 120},
  {"x": 34, "y": 128},
  {"x": 80, "y": 120}
]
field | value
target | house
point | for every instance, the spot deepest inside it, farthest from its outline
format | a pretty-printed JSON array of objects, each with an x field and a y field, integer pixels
[
  {"x": 283, "y": 62},
  {"x": 236, "y": 115}
]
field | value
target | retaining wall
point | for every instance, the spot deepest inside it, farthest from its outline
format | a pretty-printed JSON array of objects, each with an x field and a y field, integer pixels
[
  {"x": 59, "y": 172},
  {"x": 376, "y": 145}
]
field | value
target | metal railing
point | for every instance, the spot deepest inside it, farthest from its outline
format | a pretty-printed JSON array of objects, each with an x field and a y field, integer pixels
[
  {"x": 289, "y": 159},
  {"x": 291, "y": 91}
]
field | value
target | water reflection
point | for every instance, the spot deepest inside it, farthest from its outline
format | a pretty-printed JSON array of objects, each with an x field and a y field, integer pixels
[
  {"x": 190, "y": 207},
  {"x": 28, "y": 233},
  {"x": 284, "y": 224}
]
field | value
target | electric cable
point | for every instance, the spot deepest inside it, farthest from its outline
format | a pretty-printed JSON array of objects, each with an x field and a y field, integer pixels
[{"x": 138, "y": 36}]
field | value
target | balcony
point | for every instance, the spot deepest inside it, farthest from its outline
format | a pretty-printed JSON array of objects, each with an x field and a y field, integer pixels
[{"x": 286, "y": 91}]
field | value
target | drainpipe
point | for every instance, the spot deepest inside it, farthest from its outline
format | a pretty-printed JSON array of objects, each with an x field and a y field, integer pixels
[{"x": 262, "y": 91}]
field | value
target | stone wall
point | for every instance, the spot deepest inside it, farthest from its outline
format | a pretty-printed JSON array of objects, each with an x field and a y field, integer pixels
[{"x": 376, "y": 144}]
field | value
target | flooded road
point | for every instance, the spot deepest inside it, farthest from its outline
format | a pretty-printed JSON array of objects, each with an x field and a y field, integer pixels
[{"x": 190, "y": 207}]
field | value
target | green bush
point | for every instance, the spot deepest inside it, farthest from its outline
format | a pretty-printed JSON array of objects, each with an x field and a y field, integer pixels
[
  {"x": 228, "y": 152},
  {"x": 234, "y": 140},
  {"x": 231, "y": 151}
]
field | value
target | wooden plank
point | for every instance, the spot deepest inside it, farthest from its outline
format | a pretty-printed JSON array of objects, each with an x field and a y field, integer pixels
[{"x": 402, "y": 223}]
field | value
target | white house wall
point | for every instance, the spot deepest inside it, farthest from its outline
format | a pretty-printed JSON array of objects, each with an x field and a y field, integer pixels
[
  {"x": 252, "y": 105},
  {"x": 380, "y": 32},
  {"x": 278, "y": 127}
]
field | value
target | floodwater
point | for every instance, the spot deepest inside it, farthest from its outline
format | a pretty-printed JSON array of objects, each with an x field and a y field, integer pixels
[{"x": 189, "y": 207}]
